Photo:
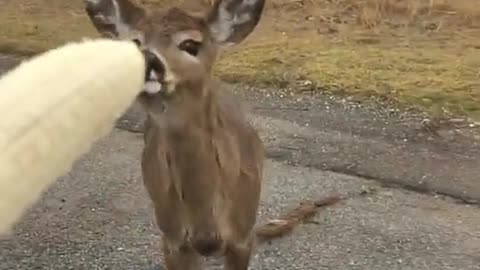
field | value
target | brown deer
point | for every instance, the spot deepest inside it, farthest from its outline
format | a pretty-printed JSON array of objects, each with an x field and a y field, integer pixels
[{"x": 202, "y": 162}]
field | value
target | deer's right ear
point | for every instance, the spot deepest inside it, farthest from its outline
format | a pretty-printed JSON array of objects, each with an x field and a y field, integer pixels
[
  {"x": 231, "y": 21},
  {"x": 115, "y": 18}
]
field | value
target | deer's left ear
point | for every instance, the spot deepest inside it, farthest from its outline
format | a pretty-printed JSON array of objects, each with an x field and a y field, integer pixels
[
  {"x": 115, "y": 18},
  {"x": 231, "y": 21}
]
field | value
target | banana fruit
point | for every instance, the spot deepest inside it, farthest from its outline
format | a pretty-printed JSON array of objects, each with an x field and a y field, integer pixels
[{"x": 53, "y": 107}]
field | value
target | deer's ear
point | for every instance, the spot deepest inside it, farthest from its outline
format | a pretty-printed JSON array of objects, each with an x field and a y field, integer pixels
[
  {"x": 115, "y": 18},
  {"x": 231, "y": 21}
]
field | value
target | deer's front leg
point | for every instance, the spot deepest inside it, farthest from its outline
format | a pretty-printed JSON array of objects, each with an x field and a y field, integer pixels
[
  {"x": 180, "y": 258},
  {"x": 237, "y": 256}
]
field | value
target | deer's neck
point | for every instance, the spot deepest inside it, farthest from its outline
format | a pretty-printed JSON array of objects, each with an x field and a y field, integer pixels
[{"x": 197, "y": 112}]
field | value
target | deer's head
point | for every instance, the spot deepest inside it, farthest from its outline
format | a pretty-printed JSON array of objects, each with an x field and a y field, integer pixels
[{"x": 179, "y": 48}]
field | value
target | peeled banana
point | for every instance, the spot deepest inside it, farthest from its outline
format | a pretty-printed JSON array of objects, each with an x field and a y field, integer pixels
[{"x": 53, "y": 107}]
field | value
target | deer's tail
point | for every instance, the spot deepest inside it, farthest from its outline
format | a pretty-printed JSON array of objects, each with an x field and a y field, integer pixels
[{"x": 285, "y": 224}]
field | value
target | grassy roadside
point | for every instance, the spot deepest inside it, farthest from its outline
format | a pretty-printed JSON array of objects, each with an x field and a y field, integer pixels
[
  {"x": 437, "y": 72},
  {"x": 427, "y": 76}
]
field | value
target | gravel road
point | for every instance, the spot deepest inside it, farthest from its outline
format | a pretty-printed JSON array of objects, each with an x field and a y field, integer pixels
[{"x": 98, "y": 217}]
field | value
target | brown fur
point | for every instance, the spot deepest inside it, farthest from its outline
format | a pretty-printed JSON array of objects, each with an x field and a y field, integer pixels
[
  {"x": 202, "y": 162},
  {"x": 286, "y": 223}
]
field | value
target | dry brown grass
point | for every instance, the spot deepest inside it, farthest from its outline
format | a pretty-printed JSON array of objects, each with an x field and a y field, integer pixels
[
  {"x": 423, "y": 52},
  {"x": 374, "y": 12},
  {"x": 371, "y": 13}
]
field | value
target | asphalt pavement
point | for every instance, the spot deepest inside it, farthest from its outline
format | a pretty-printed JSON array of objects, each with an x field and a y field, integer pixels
[{"x": 98, "y": 217}]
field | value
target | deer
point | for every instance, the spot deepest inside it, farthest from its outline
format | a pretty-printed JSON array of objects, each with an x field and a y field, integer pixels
[{"x": 202, "y": 162}]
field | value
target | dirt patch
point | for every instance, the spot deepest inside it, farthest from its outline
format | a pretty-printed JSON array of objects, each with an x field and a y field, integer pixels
[{"x": 412, "y": 51}]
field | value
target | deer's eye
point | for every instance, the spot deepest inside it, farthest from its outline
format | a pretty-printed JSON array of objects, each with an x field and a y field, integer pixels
[{"x": 190, "y": 46}]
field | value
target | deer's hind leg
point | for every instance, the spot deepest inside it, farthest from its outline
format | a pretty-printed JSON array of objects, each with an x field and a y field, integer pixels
[
  {"x": 237, "y": 255},
  {"x": 181, "y": 258}
]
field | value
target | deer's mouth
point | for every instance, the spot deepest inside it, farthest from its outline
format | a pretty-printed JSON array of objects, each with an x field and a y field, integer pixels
[
  {"x": 158, "y": 78},
  {"x": 153, "y": 86},
  {"x": 154, "y": 74}
]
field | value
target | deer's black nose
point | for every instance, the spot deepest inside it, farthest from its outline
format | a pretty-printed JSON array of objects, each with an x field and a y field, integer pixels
[{"x": 154, "y": 64}]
